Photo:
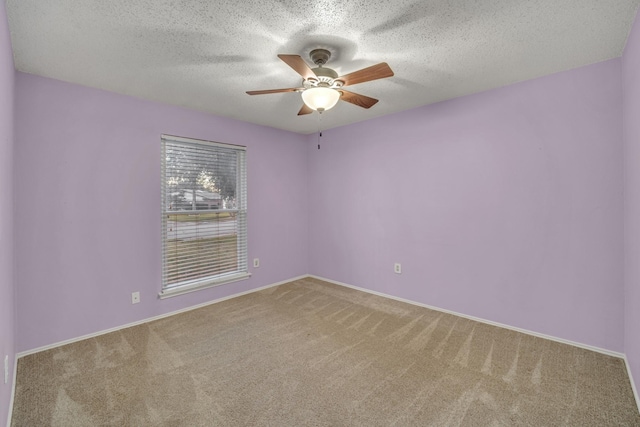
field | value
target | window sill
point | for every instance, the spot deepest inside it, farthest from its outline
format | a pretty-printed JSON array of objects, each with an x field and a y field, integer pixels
[{"x": 203, "y": 284}]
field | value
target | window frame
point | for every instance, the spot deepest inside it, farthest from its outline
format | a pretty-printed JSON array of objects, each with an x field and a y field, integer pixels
[{"x": 240, "y": 210}]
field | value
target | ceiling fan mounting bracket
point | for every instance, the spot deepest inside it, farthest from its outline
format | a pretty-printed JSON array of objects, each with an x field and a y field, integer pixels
[{"x": 320, "y": 56}]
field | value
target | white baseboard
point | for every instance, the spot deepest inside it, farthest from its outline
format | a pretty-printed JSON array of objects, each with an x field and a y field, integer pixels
[
  {"x": 478, "y": 319},
  {"x": 633, "y": 384},
  {"x": 151, "y": 319},
  {"x": 194, "y": 307},
  {"x": 13, "y": 390}
]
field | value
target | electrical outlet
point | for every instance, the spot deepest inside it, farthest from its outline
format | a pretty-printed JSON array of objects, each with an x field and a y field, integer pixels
[
  {"x": 135, "y": 297},
  {"x": 256, "y": 262},
  {"x": 397, "y": 268},
  {"x": 6, "y": 368}
]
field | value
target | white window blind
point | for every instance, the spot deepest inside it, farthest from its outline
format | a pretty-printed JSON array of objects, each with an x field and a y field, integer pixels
[{"x": 204, "y": 214}]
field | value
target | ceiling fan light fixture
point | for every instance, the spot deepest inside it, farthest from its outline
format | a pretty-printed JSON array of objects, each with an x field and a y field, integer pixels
[{"x": 320, "y": 98}]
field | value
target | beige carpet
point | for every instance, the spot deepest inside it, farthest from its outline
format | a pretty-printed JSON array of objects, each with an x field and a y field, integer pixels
[{"x": 313, "y": 353}]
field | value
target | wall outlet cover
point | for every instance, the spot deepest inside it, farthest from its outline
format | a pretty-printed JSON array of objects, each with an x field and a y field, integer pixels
[{"x": 397, "y": 268}]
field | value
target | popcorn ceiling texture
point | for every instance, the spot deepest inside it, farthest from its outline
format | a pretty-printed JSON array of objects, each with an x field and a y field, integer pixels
[{"x": 204, "y": 55}]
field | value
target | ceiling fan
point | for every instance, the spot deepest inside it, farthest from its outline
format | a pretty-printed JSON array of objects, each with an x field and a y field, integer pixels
[{"x": 322, "y": 88}]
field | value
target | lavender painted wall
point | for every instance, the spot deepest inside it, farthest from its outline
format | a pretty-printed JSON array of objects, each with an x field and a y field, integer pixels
[
  {"x": 631, "y": 122},
  {"x": 505, "y": 205},
  {"x": 88, "y": 198},
  {"x": 7, "y": 284}
]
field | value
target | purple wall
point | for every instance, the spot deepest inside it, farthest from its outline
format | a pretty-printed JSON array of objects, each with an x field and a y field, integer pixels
[
  {"x": 631, "y": 87},
  {"x": 7, "y": 300},
  {"x": 88, "y": 198},
  {"x": 505, "y": 205}
]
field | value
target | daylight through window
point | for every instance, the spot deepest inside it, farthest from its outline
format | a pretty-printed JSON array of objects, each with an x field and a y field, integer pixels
[{"x": 204, "y": 214}]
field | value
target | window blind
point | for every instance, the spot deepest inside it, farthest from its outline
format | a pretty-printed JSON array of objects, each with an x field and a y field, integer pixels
[{"x": 204, "y": 214}]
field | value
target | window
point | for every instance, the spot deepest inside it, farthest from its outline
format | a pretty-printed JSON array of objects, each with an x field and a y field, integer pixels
[{"x": 204, "y": 214}]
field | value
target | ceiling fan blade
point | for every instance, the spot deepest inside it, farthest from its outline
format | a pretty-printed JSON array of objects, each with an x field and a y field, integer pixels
[
  {"x": 264, "y": 92},
  {"x": 297, "y": 63},
  {"x": 305, "y": 110},
  {"x": 357, "y": 99},
  {"x": 375, "y": 72}
]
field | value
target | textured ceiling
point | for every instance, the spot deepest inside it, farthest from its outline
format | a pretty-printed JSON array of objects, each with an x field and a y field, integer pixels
[{"x": 205, "y": 54}]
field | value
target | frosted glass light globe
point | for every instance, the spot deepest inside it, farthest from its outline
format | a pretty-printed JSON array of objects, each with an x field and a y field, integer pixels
[{"x": 320, "y": 98}]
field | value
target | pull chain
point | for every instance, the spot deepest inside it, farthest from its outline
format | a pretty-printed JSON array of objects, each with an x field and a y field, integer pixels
[{"x": 319, "y": 128}]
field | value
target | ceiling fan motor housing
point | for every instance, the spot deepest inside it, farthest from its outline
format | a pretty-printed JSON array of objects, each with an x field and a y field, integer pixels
[{"x": 326, "y": 77}]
